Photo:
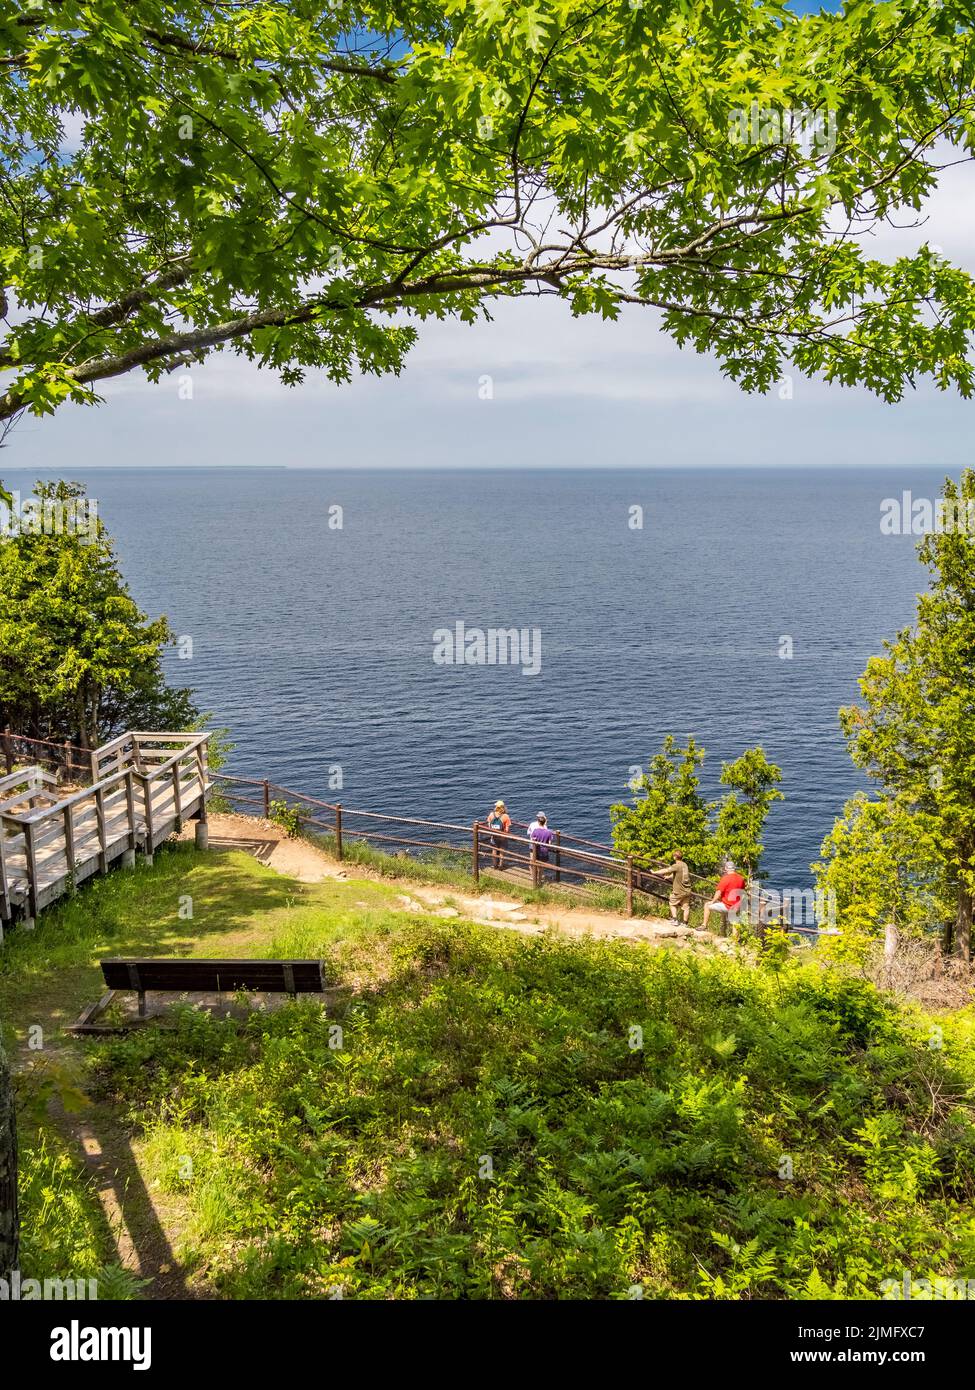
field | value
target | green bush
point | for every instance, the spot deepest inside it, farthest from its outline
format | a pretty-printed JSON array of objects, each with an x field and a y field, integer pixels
[{"x": 292, "y": 819}]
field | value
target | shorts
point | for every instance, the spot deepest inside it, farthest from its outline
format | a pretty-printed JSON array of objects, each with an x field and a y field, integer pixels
[
  {"x": 718, "y": 907},
  {"x": 679, "y": 899}
]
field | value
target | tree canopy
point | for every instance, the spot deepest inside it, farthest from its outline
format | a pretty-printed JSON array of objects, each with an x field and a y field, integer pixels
[
  {"x": 881, "y": 865},
  {"x": 669, "y": 813},
  {"x": 914, "y": 730},
  {"x": 304, "y": 182},
  {"x": 741, "y": 813},
  {"x": 78, "y": 659}
]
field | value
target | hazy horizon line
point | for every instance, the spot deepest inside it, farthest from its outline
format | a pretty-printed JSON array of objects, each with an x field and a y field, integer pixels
[{"x": 477, "y": 468}]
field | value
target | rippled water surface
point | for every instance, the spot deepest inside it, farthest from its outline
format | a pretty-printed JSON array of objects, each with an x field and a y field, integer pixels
[{"x": 315, "y": 645}]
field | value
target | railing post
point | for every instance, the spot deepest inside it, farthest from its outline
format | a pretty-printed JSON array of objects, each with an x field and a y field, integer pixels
[
  {"x": 629, "y": 885},
  {"x": 177, "y": 795},
  {"x": 267, "y": 799},
  {"x": 558, "y": 856},
  {"x": 201, "y": 765},
  {"x": 8, "y": 752},
  {"x": 5, "y": 910},
  {"x": 338, "y": 832},
  {"x": 102, "y": 838},
  {"x": 150, "y": 828},
  {"x": 476, "y": 853},
  {"x": 30, "y": 857},
  {"x": 130, "y": 808},
  {"x": 533, "y": 856},
  {"x": 69, "y": 842}
]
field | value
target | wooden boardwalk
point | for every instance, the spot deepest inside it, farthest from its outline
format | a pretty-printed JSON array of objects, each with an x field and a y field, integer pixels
[{"x": 144, "y": 786}]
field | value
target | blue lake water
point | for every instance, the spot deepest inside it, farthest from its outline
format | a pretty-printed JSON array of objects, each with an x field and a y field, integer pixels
[{"x": 315, "y": 644}]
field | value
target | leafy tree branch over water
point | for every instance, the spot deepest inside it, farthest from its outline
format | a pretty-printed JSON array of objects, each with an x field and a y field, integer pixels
[{"x": 305, "y": 183}]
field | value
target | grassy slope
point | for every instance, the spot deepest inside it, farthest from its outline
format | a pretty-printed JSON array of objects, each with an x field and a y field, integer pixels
[{"x": 485, "y": 1128}]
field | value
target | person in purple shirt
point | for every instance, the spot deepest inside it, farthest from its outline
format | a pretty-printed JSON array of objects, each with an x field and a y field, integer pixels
[{"x": 541, "y": 837}]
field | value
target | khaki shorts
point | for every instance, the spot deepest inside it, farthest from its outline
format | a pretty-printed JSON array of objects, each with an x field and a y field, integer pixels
[{"x": 678, "y": 899}]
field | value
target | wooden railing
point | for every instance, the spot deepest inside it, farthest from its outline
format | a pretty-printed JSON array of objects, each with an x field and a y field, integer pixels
[
  {"x": 143, "y": 786},
  {"x": 67, "y": 759},
  {"x": 583, "y": 865}
]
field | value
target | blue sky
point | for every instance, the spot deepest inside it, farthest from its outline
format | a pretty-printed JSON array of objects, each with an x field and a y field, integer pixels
[{"x": 564, "y": 393}]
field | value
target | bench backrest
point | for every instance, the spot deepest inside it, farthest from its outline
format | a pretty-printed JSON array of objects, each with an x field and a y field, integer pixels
[{"x": 220, "y": 976}]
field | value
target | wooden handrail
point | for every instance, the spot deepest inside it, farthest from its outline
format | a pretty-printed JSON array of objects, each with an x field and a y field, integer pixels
[
  {"x": 566, "y": 842},
  {"x": 178, "y": 756},
  {"x": 112, "y": 745},
  {"x": 475, "y": 839},
  {"x": 88, "y": 793},
  {"x": 84, "y": 793},
  {"x": 34, "y": 773},
  {"x": 92, "y": 758},
  {"x": 629, "y": 869},
  {"x": 185, "y": 736},
  {"x": 90, "y": 824}
]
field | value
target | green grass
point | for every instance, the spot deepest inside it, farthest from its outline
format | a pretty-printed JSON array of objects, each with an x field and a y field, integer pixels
[
  {"x": 49, "y": 973},
  {"x": 62, "y": 1228},
  {"x": 485, "y": 1126}
]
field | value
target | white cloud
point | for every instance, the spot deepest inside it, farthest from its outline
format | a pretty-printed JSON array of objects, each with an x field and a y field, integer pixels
[{"x": 566, "y": 391}]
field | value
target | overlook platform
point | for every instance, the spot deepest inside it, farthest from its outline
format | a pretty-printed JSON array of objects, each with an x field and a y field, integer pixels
[{"x": 143, "y": 787}]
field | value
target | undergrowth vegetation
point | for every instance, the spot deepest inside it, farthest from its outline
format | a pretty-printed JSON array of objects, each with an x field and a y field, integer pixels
[
  {"x": 507, "y": 1118},
  {"x": 481, "y": 1114}
]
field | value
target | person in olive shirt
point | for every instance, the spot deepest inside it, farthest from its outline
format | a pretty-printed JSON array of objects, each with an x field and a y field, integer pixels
[{"x": 680, "y": 887}]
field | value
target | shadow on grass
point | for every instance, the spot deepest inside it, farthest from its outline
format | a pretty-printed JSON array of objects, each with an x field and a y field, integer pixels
[{"x": 127, "y": 1218}]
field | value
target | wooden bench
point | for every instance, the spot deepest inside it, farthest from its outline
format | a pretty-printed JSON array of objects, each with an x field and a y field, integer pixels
[{"x": 204, "y": 976}]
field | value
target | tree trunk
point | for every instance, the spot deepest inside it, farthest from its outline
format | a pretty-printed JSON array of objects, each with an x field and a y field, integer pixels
[
  {"x": 947, "y": 937},
  {"x": 9, "y": 1226},
  {"x": 963, "y": 925},
  {"x": 92, "y": 701},
  {"x": 79, "y": 720}
]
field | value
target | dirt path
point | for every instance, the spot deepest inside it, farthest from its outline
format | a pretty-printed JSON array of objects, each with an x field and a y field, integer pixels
[{"x": 308, "y": 864}]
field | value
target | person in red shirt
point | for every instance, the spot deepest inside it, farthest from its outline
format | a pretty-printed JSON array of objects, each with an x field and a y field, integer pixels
[{"x": 727, "y": 895}]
